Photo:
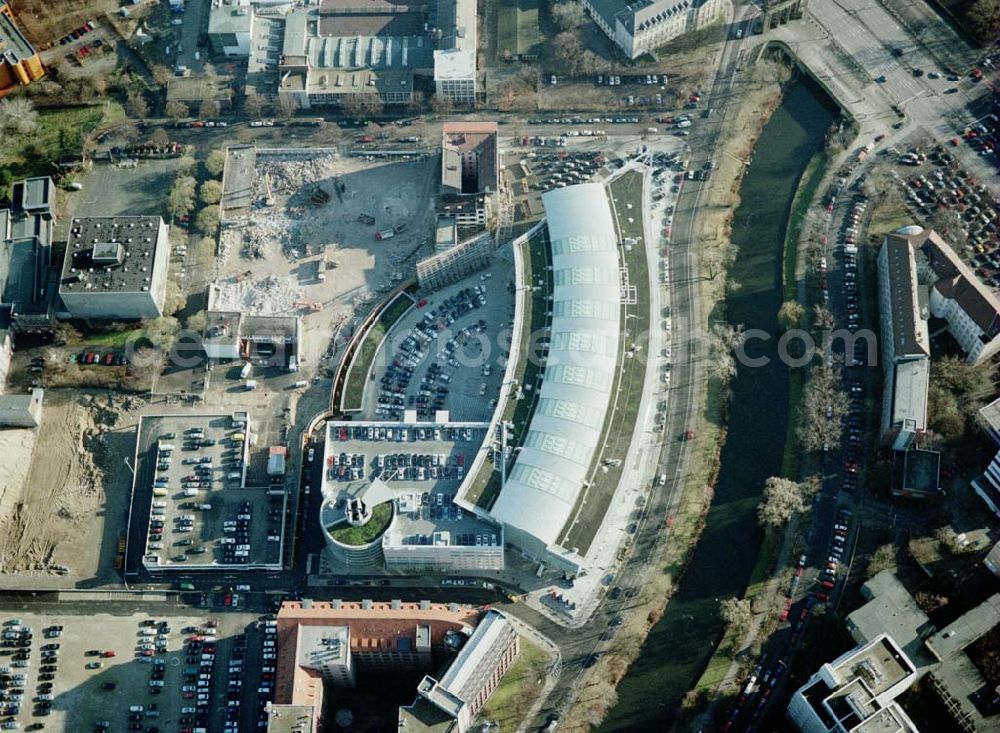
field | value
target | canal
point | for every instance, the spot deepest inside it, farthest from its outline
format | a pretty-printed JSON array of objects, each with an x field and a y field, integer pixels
[{"x": 680, "y": 645}]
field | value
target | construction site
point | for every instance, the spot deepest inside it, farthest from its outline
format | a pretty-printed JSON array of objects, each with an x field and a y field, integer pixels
[{"x": 306, "y": 231}]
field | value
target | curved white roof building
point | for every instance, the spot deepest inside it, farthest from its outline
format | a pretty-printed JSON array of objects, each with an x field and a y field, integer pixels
[{"x": 549, "y": 474}]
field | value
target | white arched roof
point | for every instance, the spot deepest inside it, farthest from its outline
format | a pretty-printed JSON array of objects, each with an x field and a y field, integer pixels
[{"x": 547, "y": 478}]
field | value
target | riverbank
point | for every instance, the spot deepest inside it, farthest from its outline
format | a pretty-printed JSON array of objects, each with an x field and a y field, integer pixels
[
  {"x": 678, "y": 648},
  {"x": 725, "y": 669},
  {"x": 742, "y": 124}
]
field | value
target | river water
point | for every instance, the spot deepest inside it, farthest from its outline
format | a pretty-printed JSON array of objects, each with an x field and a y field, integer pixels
[{"x": 680, "y": 645}]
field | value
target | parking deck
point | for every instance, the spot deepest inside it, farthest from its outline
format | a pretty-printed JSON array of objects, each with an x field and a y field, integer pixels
[
  {"x": 191, "y": 507},
  {"x": 447, "y": 353}
]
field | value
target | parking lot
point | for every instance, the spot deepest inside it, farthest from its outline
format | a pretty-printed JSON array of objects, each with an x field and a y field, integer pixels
[
  {"x": 199, "y": 513},
  {"x": 446, "y": 353},
  {"x": 932, "y": 181},
  {"x": 93, "y": 671},
  {"x": 425, "y": 457}
]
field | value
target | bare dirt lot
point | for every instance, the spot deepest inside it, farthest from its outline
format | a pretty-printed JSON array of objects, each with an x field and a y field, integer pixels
[
  {"x": 44, "y": 21},
  {"x": 76, "y": 480},
  {"x": 271, "y": 261}
]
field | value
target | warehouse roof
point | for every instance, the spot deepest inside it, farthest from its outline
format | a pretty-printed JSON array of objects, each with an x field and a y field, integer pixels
[{"x": 575, "y": 396}]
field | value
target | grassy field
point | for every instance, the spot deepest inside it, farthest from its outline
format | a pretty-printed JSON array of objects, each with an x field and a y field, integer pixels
[
  {"x": 486, "y": 487},
  {"x": 354, "y": 387},
  {"x": 620, "y": 422},
  {"x": 381, "y": 516},
  {"x": 58, "y": 132},
  {"x": 517, "y": 28},
  {"x": 513, "y": 698}
]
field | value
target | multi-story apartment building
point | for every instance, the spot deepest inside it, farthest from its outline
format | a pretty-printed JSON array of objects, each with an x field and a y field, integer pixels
[{"x": 905, "y": 344}]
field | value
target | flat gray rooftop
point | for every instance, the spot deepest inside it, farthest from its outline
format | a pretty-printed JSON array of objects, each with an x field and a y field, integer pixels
[{"x": 127, "y": 267}]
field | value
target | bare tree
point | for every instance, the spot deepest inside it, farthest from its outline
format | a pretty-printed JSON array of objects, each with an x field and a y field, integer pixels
[
  {"x": 159, "y": 137},
  {"x": 567, "y": 49},
  {"x": 174, "y": 299},
  {"x": 210, "y": 192},
  {"x": 879, "y": 182},
  {"x": 146, "y": 364},
  {"x": 161, "y": 74},
  {"x": 253, "y": 105},
  {"x": 177, "y": 110},
  {"x": 286, "y": 107},
  {"x": 208, "y": 220},
  {"x": 197, "y": 321},
  {"x": 782, "y": 499},
  {"x": 181, "y": 199},
  {"x": 215, "y": 162},
  {"x": 884, "y": 558},
  {"x": 568, "y": 14},
  {"x": 824, "y": 407},
  {"x": 984, "y": 19},
  {"x": 790, "y": 314},
  {"x": 723, "y": 339},
  {"x": 441, "y": 104},
  {"x": 137, "y": 104},
  {"x": 822, "y": 317},
  {"x": 18, "y": 115},
  {"x": 737, "y": 613},
  {"x": 208, "y": 108}
]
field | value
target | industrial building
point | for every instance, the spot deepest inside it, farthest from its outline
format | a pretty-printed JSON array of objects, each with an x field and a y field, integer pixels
[
  {"x": 552, "y": 469},
  {"x": 341, "y": 51},
  {"x": 25, "y": 255},
  {"x": 230, "y": 27},
  {"x": 19, "y": 62},
  {"x": 232, "y": 335},
  {"x": 641, "y": 27},
  {"x": 115, "y": 268},
  {"x": 455, "y": 73}
]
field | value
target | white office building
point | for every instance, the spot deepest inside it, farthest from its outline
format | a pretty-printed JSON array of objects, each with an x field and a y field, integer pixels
[{"x": 857, "y": 692}]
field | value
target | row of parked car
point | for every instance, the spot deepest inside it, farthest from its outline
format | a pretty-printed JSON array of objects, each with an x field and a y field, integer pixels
[{"x": 98, "y": 357}]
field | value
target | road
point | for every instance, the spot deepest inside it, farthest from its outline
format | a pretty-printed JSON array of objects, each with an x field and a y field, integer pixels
[{"x": 684, "y": 401}]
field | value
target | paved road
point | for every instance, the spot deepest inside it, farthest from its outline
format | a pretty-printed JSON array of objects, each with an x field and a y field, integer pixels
[{"x": 683, "y": 401}]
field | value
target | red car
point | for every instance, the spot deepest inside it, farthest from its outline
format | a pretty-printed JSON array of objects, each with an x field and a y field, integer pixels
[
  {"x": 228, "y": 600},
  {"x": 828, "y": 584},
  {"x": 109, "y": 653},
  {"x": 109, "y": 359},
  {"x": 822, "y": 597},
  {"x": 146, "y": 653}
]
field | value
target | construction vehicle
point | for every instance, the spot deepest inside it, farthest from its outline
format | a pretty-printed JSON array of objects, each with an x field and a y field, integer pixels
[
  {"x": 308, "y": 305},
  {"x": 243, "y": 276},
  {"x": 319, "y": 197},
  {"x": 389, "y": 233},
  {"x": 366, "y": 219}
]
